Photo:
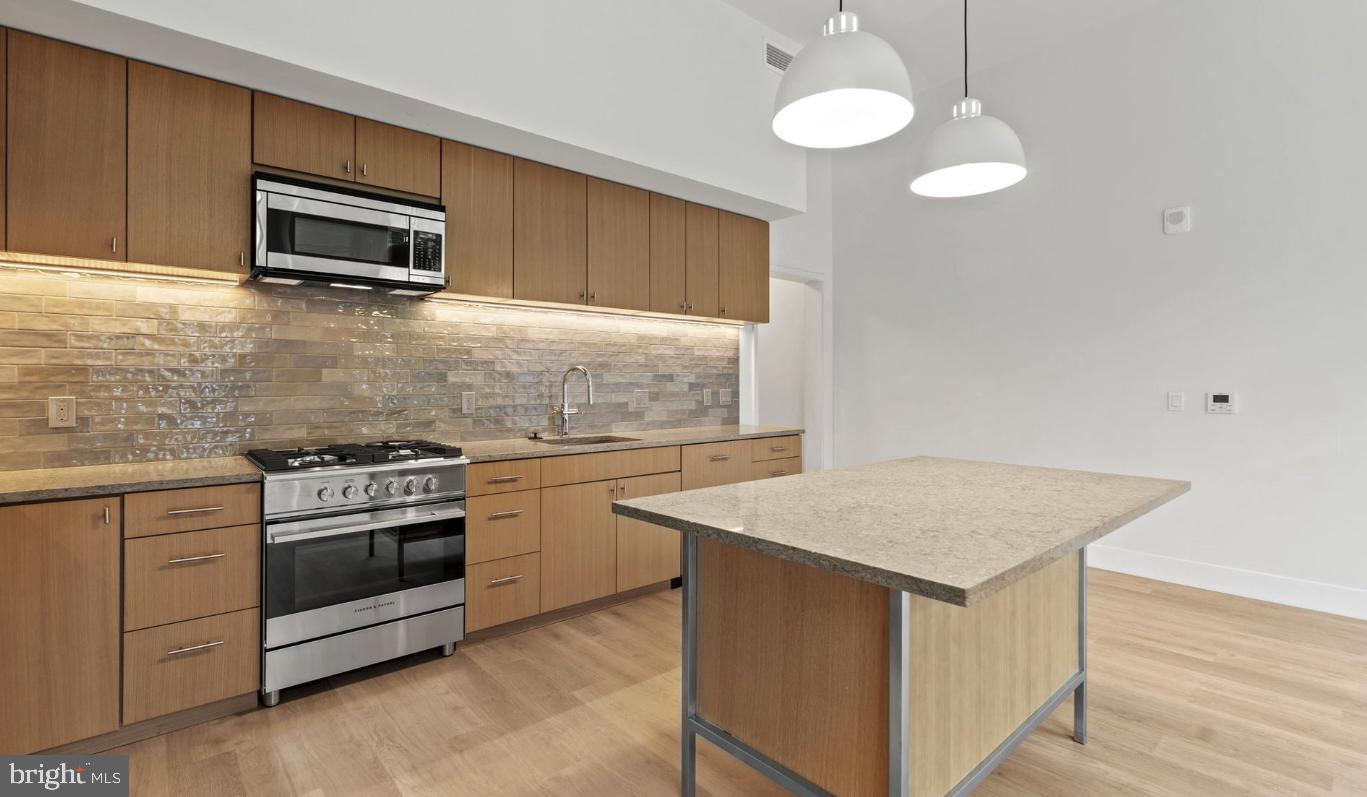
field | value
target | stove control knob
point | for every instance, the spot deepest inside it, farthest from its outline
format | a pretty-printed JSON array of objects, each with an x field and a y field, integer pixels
[
  {"x": 391, "y": 487},
  {"x": 410, "y": 487},
  {"x": 325, "y": 493},
  {"x": 371, "y": 489},
  {"x": 349, "y": 491},
  {"x": 429, "y": 484}
]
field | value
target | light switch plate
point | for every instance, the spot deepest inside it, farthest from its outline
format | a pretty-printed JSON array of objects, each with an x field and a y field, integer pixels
[
  {"x": 639, "y": 399},
  {"x": 1177, "y": 401},
  {"x": 707, "y": 397},
  {"x": 1177, "y": 220},
  {"x": 467, "y": 403},
  {"x": 61, "y": 412},
  {"x": 725, "y": 397}
]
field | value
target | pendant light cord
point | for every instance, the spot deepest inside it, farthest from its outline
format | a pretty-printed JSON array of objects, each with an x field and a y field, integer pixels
[{"x": 965, "y": 48}]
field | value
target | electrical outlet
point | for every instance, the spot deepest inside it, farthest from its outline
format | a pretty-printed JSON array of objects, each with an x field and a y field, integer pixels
[
  {"x": 707, "y": 397},
  {"x": 467, "y": 403},
  {"x": 1177, "y": 401},
  {"x": 725, "y": 396},
  {"x": 639, "y": 399},
  {"x": 61, "y": 412}
]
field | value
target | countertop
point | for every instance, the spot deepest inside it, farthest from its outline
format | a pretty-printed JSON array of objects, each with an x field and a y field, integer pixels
[
  {"x": 948, "y": 529},
  {"x": 48, "y": 484},
  {"x": 522, "y": 448}
]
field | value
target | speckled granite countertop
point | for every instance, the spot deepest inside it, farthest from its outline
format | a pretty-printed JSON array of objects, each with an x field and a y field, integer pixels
[
  {"x": 522, "y": 448},
  {"x": 948, "y": 529},
  {"x": 48, "y": 484}
]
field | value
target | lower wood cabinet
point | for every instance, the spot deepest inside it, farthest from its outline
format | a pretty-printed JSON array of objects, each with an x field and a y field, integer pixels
[
  {"x": 711, "y": 464},
  {"x": 179, "y": 666},
  {"x": 59, "y": 622},
  {"x": 502, "y": 525},
  {"x": 578, "y": 543},
  {"x": 176, "y": 577},
  {"x": 646, "y": 554},
  {"x": 502, "y": 591},
  {"x": 773, "y": 468}
]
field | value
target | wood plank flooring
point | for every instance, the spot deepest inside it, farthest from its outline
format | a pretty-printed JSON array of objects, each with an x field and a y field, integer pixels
[{"x": 1192, "y": 693}]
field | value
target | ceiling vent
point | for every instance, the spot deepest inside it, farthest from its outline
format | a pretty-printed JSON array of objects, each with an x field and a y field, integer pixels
[{"x": 777, "y": 58}]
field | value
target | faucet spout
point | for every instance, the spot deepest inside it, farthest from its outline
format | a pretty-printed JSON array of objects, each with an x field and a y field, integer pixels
[{"x": 565, "y": 410}]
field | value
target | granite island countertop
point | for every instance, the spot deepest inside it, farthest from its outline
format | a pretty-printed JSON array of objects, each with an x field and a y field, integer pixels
[
  {"x": 948, "y": 529},
  {"x": 522, "y": 448},
  {"x": 88, "y": 481}
]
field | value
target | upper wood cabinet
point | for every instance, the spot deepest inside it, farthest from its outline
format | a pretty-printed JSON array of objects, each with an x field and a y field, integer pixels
[
  {"x": 477, "y": 189},
  {"x": 4, "y": 59},
  {"x": 550, "y": 222},
  {"x": 397, "y": 158},
  {"x": 189, "y": 169},
  {"x": 667, "y": 292},
  {"x": 743, "y": 268},
  {"x": 66, "y": 149},
  {"x": 618, "y": 245},
  {"x": 59, "y": 619},
  {"x": 302, "y": 137},
  {"x": 700, "y": 259}
]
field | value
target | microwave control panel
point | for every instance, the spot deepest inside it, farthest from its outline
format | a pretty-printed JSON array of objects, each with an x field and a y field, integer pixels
[{"x": 427, "y": 251}]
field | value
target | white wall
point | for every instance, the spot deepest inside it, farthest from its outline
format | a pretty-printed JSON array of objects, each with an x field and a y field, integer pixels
[
  {"x": 667, "y": 94},
  {"x": 782, "y": 355},
  {"x": 1044, "y": 324}
]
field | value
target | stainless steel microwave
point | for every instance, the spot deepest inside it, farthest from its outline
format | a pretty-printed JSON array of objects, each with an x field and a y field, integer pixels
[{"x": 347, "y": 238}]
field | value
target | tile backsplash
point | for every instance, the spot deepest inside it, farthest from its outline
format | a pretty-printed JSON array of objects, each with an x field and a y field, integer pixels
[{"x": 170, "y": 370}]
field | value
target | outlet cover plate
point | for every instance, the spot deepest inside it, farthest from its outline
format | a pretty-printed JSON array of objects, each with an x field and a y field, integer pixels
[
  {"x": 467, "y": 403},
  {"x": 725, "y": 397},
  {"x": 61, "y": 412}
]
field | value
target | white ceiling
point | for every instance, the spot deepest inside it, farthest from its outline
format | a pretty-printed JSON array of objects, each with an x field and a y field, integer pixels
[{"x": 929, "y": 33}]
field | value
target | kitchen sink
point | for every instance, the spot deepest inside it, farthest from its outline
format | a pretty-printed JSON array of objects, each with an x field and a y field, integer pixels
[{"x": 592, "y": 440}]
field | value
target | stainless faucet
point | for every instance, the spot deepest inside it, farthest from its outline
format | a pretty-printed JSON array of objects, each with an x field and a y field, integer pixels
[{"x": 564, "y": 410}]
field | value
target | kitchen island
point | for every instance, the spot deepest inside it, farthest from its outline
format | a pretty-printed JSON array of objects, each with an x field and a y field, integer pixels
[{"x": 894, "y": 628}]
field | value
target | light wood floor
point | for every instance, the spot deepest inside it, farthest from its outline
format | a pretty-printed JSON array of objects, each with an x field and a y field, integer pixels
[{"x": 1192, "y": 693}]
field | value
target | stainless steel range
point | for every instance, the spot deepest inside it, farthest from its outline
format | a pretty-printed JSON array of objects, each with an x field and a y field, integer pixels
[{"x": 364, "y": 556}]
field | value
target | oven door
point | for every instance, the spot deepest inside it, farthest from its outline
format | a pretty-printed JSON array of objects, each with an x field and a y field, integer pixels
[
  {"x": 330, "y": 239},
  {"x": 332, "y": 574}
]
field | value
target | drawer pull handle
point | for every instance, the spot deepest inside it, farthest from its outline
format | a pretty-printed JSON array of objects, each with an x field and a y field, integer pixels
[
  {"x": 505, "y": 515},
  {"x": 505, "y": 479},
  {"x": 505, "y": 580},
  {"x": 195, "y": 511},
  {"x": 719, "y": 457},
  {"x": 779, "y": 473},
  {"x": 777, "y": 449},
  {"x": 200, "y": 558},
  {"x": 193, "y": 648},
  {"x": 106, "y": 516}
]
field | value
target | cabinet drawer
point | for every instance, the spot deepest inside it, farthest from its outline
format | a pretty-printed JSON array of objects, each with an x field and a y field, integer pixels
[
  {"x": 174, "y": 667},
  {"x": 169, "y": 511},
  {"x": 775, "y": 448},
  {"x": 502, "y": 591},
  {"x": 489, "y": 478},
  {"x": 774, "y": 468},
  {"x": 579, "y": 468},
  {"x": 499, "y": 526},
  {"x": 193, "y": 574},
  {"x": 712, "y": 464}
]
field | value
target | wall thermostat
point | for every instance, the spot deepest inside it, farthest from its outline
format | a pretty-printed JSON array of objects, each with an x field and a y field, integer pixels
[
  {"x": 1177, "y": 220},
  {"x": 1221, "y": 403}
]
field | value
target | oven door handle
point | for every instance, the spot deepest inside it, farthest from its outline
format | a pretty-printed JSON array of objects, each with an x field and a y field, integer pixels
[{"x": 291, "y": 532}]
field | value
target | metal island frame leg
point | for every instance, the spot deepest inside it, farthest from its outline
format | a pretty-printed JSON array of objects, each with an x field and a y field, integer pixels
[{"x": 899, "y": 700}]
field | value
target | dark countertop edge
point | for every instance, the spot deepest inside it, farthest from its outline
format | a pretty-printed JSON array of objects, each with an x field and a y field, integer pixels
[
  {"x": 553, "y": 450},
  {"x": 945, "y": 593},
  {"x": 123, "y": 487}
]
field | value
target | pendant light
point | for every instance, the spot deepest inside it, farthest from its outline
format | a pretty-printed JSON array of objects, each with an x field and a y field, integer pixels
[
  {"x": 845, "y": 89},
  {"x": 971, "y": 153}
]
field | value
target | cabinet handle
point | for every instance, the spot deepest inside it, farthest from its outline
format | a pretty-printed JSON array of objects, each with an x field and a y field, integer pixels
[
  {"x": 242, "y": 258},
  {"x": 723, "y": 309},
  {"x": 193, "y": 648},
  {"x": 505, "y": 515},
  {"x": 582, "y": 294},
  {"x": 778, "y": 473},
  {"x": 365, "y": 170},
  {"x": 593, "y": 297},
  {"x": 777, "y": 449},
  {"x": 624, "y": 489},
  {"x": 613, "y": 491},
  {"x": 690, "y": 307},
  {"x": 719, "y": 457},
  {"x": 194, "y": 511},
  {"x": 115, "y": 245},
  {"x": 683, "y": 306},
  {"x": 505, "y": 580},
  {"x": 201, "y": 558},
  {"x": 505, "y": 479},
  {"x": 348, "y": 167},
  {"x": 106, "y": 516}
]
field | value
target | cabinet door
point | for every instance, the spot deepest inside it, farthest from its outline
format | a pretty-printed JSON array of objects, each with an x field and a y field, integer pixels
[
  {"x": 743, "y": 266},
  {"x": 700, "y": 259},
  {"x": 397, "y": 158},
  {"x": 59, "y": 619},
  {"x": 302, "y": 137},
  {"x": 667, "y": 293},
  {"x": 477, "y": 189},
  {"x": 189, "y": 169},
  {"x": 646, "y": 553},
  {"x": 618, "y": 245},
  {"x": 67, "y": 151},
  {"x": 550, "y": 221},
  {"x": 578, "y": 544}
]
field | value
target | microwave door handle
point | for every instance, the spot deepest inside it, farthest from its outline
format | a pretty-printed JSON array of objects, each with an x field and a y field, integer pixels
[
  {"x": 261, "y": 221},
  {"x": 351, "y": 528}
]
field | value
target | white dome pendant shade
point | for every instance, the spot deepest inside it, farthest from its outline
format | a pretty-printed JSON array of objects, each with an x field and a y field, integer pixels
[
  {"x": 845, "y": 89},
  {"x": 970, "y": 154}
]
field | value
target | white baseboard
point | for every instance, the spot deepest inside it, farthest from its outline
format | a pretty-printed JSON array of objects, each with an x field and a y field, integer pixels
[{"x": 1321, "y": 597}]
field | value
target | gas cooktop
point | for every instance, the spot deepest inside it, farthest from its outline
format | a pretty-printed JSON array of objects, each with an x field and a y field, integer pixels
[{"x": 348, "y": 455}]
